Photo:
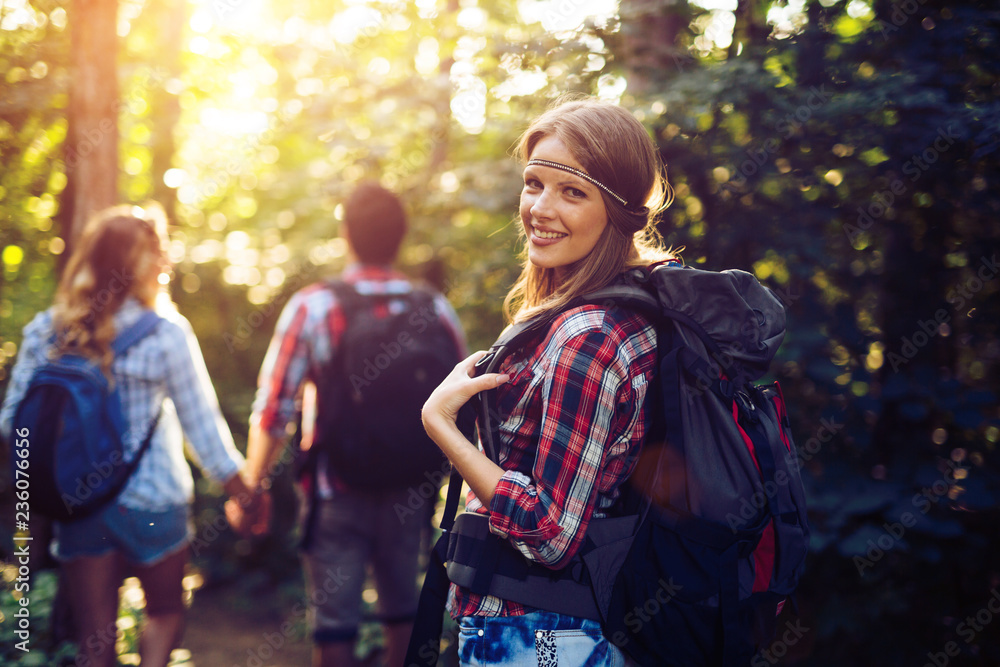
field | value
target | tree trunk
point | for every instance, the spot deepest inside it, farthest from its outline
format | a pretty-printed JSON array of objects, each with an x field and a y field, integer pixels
[
  {"x": 649, "y": 49},
  {"x": 751, "y": 26},
  {"x": 170, "y": 17},
  {"x": 441, "y": 134},
  {"x": 91, "y": 148}
]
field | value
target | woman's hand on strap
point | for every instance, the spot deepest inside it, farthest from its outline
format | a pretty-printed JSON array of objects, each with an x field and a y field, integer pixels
[{"x": 440, "y": 411}]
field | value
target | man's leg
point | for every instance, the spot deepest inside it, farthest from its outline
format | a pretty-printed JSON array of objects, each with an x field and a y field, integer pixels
[
  {"x": 400, "y": 544},
  {"x": 335, "y": 576}
]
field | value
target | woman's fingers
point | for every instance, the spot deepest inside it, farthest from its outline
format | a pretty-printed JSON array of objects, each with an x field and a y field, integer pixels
[
  {"x": 456, "y": 389},
  {"x": 487, "y": 382},
  {"x": 466, "y": 367}
]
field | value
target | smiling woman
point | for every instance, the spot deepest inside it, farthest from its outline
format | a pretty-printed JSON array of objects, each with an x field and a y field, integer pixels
[
  {"x": 562, "y": 212},
  {"x": 599, "y": 151},
  {"x": 592, "y": 181}
]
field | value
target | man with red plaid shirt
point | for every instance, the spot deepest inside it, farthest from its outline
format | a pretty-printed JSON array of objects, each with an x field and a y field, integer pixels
[{"x": 353, "y": 528}]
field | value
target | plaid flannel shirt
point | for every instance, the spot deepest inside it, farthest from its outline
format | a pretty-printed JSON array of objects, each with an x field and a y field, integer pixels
[
  {"x": 574, "y": 423},
  {"x": 166, "y": 364}
]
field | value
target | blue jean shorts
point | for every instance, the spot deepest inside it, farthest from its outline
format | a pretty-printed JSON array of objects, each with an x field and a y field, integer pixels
[
  {"x": 144, "y": 537},
  {"x": 537, "y": 639}
]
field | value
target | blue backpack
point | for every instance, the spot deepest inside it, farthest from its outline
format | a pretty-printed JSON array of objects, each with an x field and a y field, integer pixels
[
  {"x": 710, "y": 534},
  {"x": 72, "y": 423}
]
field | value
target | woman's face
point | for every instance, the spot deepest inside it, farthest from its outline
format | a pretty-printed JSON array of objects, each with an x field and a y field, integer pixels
[{"x": 563, "y": 215}]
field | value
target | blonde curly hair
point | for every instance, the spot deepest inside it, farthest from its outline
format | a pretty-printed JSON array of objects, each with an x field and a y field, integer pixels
[{"x": 120, "y": 253}]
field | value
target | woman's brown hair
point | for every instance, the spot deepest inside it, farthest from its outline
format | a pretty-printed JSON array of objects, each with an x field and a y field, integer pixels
[
  {"x": 115, "y": 257},
  {"x": 615, "y": 149}
]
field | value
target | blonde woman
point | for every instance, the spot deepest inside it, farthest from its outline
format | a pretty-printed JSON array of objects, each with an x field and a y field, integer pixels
[
  {"x": 115, "y": 275},
  {"x": 573, "y": 405}
]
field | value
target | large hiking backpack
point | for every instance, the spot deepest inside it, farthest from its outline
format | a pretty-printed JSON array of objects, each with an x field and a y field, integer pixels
[
  {"x": 69, "y": 433},
  {"x": 710, "y": 534},
  {"x": 392, "y": 354}
]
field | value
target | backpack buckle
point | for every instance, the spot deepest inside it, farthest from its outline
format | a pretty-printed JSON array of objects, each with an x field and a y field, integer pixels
[{"x": 636, "y": 276}]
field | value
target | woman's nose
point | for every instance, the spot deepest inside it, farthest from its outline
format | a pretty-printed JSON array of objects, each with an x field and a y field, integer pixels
[{"x": 542, "y": 207}]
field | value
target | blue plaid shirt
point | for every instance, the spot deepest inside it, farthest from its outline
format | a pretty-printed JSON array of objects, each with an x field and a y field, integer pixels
[{"x": 164, "y": 369}]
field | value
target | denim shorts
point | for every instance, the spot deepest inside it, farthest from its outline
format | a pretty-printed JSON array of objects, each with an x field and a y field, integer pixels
[
  {"x": 144, "y": 537},
  {"x": 537, "y": 639}
]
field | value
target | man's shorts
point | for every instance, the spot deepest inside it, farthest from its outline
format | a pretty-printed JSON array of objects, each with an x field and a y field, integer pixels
[
  {"x": 354, "y": 530},
  {"x": 144, "y": 537}
]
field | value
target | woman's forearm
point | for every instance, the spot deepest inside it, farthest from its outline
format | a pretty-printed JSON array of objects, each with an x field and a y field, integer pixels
[{"x": 476, "y": 468}]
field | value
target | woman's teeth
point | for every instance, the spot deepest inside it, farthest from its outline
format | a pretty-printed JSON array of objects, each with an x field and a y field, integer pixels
[{"x": 548, "y": 235}]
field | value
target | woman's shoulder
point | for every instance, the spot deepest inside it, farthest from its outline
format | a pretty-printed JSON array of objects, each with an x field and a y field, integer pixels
[
  {"x": 172, "y": 324},
  {"x": 612, "y": 321},
  {"x": 613, "y": 335},
  {"x": 37, "y": 333},
  {"x": 40, "y": 325}
]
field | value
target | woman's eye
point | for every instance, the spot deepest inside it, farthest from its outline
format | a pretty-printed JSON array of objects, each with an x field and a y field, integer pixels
[
  {"x": 576, "y": 192},
  {"x": 532, "y": 183}
]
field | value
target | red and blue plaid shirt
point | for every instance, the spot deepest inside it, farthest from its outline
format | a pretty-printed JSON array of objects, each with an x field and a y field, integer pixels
[{"x": 573, "y": 428}]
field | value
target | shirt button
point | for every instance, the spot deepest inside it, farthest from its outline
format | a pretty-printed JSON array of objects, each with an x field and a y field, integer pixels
[
  {"x": 481, "y": 633},
  {"x": 539, "y": 634}
]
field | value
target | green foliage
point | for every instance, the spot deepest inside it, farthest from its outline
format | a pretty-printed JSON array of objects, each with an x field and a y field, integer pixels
[
  {"x": 846, "y": 154},
  {"x": 849, "y": 169},
  {"x": 39, "y": 648}
]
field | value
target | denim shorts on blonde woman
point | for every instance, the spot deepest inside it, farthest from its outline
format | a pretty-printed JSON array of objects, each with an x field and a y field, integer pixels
[
  {"x": 541, "y": 638},
  {"x": 144, "y": 537}
]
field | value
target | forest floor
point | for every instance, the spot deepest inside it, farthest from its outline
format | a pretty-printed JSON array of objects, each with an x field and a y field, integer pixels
[{"x": 223, "y": 630}]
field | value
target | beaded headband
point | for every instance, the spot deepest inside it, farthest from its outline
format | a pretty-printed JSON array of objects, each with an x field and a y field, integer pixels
[{"x": 585, "y": 176}]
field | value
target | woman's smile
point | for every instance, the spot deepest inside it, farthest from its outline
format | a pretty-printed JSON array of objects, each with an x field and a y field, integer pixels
[{"x": 563, "y": 214}]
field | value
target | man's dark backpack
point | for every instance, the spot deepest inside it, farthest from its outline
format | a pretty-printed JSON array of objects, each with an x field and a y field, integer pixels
[
  {"x": 392, "y": 354},
  {"x": 711, "y": 535},
  {"x": 73, "y": 427}
]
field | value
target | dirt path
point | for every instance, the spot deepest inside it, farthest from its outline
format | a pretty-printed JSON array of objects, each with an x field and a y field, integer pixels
[{"x": 221, "y": 632}]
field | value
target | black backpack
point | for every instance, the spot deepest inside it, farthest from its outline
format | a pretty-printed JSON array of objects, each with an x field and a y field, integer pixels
[
  {"x": 68, "y": 453},
  {"x": 710, "y": 534},
  {"x": 392, "y": 354}
]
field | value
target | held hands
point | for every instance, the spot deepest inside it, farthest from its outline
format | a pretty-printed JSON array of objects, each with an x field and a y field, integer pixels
[
  {"x": 249, "y": 512},
  {"x": 440, "y": 411}
]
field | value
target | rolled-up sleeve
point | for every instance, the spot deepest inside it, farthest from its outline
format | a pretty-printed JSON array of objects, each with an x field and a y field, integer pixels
[
  {"x": 191, "y": 390},
  {"x": 284, "y": 370},
  {"x": 545, "y": 515}
]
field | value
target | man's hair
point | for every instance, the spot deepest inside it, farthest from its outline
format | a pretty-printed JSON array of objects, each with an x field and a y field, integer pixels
[{"x": 375, "y": 222}]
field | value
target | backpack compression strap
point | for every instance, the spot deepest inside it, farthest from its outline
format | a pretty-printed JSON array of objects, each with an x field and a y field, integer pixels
[
  {"x": 126, "y": 339},
  {"x": 142, "y": 328},
  {"x": 425, "y": 638},
  {"x": 517, "y": 335},
  {"x": 348, "y": 300}
]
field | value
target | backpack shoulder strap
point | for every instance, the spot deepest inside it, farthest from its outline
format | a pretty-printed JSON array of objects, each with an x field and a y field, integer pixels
[
  {"x": 347, "y": 296},
  {"x": 628, "y": 293},
  {"x": 512, "y": 339},
  {"x": 142, "y": 328}
]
